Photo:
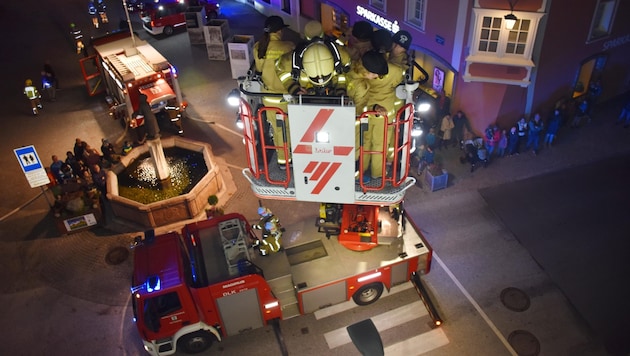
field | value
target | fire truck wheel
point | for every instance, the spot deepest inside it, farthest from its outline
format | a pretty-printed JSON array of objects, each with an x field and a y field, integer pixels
[
  {"x": 168, "y": 30},
  {"x": 196, "y": 342},
  {"x": 368, "y": 294}
]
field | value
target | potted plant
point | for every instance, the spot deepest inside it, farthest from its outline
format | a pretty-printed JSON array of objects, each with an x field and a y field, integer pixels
[{"x": 213, "y": 211}]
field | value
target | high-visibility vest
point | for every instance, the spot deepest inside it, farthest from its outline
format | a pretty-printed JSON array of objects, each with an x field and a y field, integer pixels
[{"x": 31, "y": 92}]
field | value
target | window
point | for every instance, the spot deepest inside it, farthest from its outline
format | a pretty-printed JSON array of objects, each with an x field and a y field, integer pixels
[
  {"x": 602, "y": 19},
  {"x": 379, "y": 4},
  {"x": 286, "y": 6},
  {"x": 492, "y": 43},
  {"x": 495, "y": 43},
  {"x": 416, "y": 12},
  {"x": 517, "y": 37}
]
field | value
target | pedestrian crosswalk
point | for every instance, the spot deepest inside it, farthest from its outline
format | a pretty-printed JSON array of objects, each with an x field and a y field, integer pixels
[{"x": 415, "y": 345}]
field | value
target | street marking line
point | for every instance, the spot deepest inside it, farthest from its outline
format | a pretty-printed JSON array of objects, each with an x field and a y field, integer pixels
[
  {"x": 349, "y": 304},
  {"x": 476, "y": 306},
  {"x": 419, "y": 344},
  {"x": 382, "y": 322}
]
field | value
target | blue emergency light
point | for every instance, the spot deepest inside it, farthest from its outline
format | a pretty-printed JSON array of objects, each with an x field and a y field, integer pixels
[{"x": 153, "y": 284}]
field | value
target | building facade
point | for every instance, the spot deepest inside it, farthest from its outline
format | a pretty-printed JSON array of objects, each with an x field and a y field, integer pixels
[{"x": 477, "y": 61}]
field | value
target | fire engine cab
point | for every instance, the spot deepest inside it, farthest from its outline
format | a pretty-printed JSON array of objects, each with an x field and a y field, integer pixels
[{"x": 128, "y": 69}]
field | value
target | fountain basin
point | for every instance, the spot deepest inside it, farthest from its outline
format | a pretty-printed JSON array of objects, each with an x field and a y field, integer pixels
[{"x": 171, "y": 210}]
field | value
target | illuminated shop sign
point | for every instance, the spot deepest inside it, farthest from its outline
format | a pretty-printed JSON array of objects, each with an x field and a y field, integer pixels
[{"x": 378, "y": 19}]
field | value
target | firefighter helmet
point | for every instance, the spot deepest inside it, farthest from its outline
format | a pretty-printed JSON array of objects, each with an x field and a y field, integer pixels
[
  {"x": 28, "y": 82},
  {"x": 318, "y": 63}
]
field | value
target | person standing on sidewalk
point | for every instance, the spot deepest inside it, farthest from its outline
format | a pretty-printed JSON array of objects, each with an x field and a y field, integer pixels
[
  {"x": 552, "y": 127},
  {"x": 513, "y": 141},
  {"x": 521, "y": 128},
  {"x": 533, "y": 137},
  {"x": 446, "y": 128},
  {"x": 48, "y": 86},
  {"x": 460, "y": 121},
  {"x": 502, "y": 144}
]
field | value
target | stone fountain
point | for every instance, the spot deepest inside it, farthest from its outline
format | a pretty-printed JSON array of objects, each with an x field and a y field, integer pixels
[{"x": 190, "y": 205}]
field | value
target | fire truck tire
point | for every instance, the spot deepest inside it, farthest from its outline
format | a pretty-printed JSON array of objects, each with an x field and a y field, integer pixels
[
  {"x": 368, "y": 294},
  {"x": 168, "y": 30},
  {"x": 213, "y": 15},
  {"x": 196, "y": 342}
]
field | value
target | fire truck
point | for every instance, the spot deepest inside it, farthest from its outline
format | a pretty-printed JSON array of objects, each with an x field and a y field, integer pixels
[
  {"x": 202, "y": 284},
  {"x": 163, "y": 17},
  {"x": 207, "y": 281},
  {"x": 127, "y": 69}
]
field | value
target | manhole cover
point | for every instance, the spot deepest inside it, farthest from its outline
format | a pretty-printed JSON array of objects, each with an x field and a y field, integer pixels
[
  {"x": 515, "y": 299},
  {"x": 117, "y": 255},
  {"x": 524, "y": 343}
]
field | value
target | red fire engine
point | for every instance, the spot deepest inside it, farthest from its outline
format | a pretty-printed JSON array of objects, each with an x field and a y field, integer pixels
[
  {"x": 126, "y": 67},
  {"x": 207, "y": 282}
]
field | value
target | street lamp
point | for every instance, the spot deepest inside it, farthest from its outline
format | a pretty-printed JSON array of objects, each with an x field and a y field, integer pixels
[{"x": 510, "y": 19}]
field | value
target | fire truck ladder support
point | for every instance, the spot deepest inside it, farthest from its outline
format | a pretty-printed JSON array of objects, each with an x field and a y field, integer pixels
[{"x": 426, "y": 299}]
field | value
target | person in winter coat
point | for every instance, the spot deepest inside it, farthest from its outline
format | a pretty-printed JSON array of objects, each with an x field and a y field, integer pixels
[
  {"x": 521, "y": 128},
  {"x": 513, "y": 140},
  {"x": 533, "y": 136},
  {"x": 552, "y": 127},
  {"x": 446, "y": 128},
  {"x": 461, "y": 123},
  {"x": 491, "y": 138},
  {"x": 502, "y": 144}
]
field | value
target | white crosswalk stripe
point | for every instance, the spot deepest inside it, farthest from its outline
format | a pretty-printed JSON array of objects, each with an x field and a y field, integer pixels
[
  {"x": 382, "y": 322},
  {"x": 419, "y": 344}
]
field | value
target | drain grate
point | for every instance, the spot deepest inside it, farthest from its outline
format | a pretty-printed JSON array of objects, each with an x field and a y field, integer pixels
[
  {"x": 515, "y": 299},
  {"x": 524, "y": 343},
  {"x": 117, "y": 255}
]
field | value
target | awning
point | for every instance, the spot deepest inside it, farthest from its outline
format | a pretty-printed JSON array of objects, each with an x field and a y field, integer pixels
[{"x": 158, "y": 94}]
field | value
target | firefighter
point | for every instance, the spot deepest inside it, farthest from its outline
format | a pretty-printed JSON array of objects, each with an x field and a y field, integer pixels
[
  {"x": 271, "y": 232},
  {"x": 360, "y": 41},
  {"x": 318, "y": 66},
  {"x": 77, "y": 36},
  {"x": 33, "y": 96},
  {"x": 372, "y": 67},
  {"x": 398, "y": 54},
  {"x": 93, "y": 13},
  {"x": 266, "y": 52},
  {"x": 101, "y": 7}
]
